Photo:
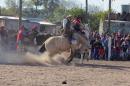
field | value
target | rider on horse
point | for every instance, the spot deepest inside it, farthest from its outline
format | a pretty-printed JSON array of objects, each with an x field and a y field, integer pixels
[
  {"x": 67, "y": 27},
  {"x": 68, "y": 30},
  {"x": 67, "y": 23},
  {"x": 77, "y": 25}
]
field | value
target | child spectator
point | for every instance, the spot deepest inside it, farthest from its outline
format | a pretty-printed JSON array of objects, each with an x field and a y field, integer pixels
[{"x": 101, "y": 52}]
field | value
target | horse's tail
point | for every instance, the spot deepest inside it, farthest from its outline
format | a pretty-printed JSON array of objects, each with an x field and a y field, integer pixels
[{"x": 42, "y": 48}]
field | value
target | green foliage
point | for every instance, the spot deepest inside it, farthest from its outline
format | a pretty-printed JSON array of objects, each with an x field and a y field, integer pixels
[
  {"x": 75, "y": 11},
  {"x": 45, "y": 4},
  {"x": 12, "y": 8},
  {"x": 28, "y": 4},
  {"x": 11, "y": 3},
  {"x": 58, "y": 14},
  {"x": 53, "y": 10},
  {"x": 37, "y": 2},
  {"x": 9, "y": 12},
  {"x": 94, "y": 19}
]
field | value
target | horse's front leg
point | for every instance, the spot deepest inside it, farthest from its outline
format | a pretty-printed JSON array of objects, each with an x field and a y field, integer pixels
[
  {"x": 70, "y": 58},
  {"x": 83, "y": 55},
  {"x": 82, "y": 58}
]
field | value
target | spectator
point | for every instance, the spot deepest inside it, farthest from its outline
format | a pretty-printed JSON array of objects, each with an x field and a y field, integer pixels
[
  {"x": 97, "y": 45},
  {"x": 124, "y": 46},
  {"x": 101, "y": 52},
  {"x": 105, "y": 44},
  {"x": 4, "y": 37},
  {"x": 110, "y": 47}
]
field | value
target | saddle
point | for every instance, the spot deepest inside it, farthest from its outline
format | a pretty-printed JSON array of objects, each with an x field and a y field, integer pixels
[{"x": 70, "y": 38}]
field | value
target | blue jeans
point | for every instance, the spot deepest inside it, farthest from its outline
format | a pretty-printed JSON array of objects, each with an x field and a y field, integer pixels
[
  {"x": 92, "y": 53},
  {"x": 96, "y": 55}
]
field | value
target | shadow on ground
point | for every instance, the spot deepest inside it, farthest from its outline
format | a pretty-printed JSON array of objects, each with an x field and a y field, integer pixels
[{"x": 104, "y": 66}]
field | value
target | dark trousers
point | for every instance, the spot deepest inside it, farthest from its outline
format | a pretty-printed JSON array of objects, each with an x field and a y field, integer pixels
[
  {"x": 96, "y": 55},
  {"x": 106, "y": 53}
]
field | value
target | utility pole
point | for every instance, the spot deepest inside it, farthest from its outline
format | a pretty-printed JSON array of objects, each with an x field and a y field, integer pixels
[
  {"x": 86, "y": 11},
  {"x": 36, "y": 4},
  {"x": 0, "y": 11},
  {"x": 109, "y": 17},
  {"x": 20, "y": 49},
  {"x": 20, "y": 13}
]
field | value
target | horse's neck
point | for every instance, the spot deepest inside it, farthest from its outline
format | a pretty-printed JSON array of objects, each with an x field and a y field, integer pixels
[
  {"x": 83, "y": 41},
  {"x": 80, "y": 37}
]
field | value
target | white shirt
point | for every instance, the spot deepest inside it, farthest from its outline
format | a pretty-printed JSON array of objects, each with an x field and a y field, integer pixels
[{"x": 64, "y": 23}]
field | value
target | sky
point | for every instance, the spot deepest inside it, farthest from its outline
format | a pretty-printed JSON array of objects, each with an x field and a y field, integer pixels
[
  {"x": 2, "y": 3},
  {"x": 116, "y": 5}
]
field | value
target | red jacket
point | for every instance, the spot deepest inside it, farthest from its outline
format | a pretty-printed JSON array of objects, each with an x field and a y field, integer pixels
[{"x": 77, "y": 21}]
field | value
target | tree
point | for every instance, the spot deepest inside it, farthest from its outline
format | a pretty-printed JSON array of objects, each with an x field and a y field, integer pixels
[
  {"x": 28, "y": 4},
  {"x": 52, "y": 5},
  {"x": 68, "y": 4},
  {"x": 37, "y": 3},
  {"x": 45, "y": 4},
  {"x": 48, "y": 6},
  {"x": 12, "y": 7},
  {"x": 58, "y": 14},
  {"x": 11, "y": 3},
  {"x": 77, "y": 12},
  {"x": 59, "y": 10},
  {"x": 94, "y": 19},
  {"x": 109, "y": 14},
  {"x": 28, "y": 8}
]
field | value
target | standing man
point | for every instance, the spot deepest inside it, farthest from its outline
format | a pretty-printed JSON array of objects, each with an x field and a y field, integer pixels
[
  {"x": 19, "y": 39},
  {"x": 105, "y": 44},
  {"x": 3, "y": 36}
]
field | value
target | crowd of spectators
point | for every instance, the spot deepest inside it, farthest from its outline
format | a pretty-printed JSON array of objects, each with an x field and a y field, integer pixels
[
  {"x": 115, "y": 46},
  {"x": 120, "y": 16}
]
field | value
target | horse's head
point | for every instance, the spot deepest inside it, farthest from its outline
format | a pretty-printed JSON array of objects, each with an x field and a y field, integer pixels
[
  {"x": 86, "y": 31},
  {"x": 82, "y": 40}
]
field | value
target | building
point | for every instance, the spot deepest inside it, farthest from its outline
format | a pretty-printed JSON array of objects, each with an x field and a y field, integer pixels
[
  {"x": 126, "y": 8},
  {"x": 119, "y": 23},
  {"x": 11, "y": 23},
  {"x": 117, "y": 26}
]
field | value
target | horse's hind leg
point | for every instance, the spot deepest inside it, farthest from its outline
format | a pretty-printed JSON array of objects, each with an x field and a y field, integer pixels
[
  {"x": 42, "y": 48},
  {"x": 51, "y": 54},
  {"x": 83, "y": 55},
  {"x": 82, "y": 58},
  {"x": 70, "y": 58}
]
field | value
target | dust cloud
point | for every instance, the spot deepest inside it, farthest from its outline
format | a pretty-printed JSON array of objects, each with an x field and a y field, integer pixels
[
  {"x": 9, "y": 57},
  {"x": 45, "y": 59}
]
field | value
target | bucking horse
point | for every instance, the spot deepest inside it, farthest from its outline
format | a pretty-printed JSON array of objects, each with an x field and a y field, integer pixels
[{"x": 58, "y": 44}]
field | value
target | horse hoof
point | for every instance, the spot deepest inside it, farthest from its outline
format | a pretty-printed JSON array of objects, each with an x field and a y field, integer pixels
[{"x": 67, "y": 62}]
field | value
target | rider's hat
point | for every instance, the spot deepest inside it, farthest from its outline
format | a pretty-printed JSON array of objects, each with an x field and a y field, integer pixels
[{"x": 69, "y": 16}]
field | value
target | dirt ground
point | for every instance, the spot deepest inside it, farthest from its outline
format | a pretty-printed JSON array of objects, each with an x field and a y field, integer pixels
[{"x": 92, "y": 73}]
